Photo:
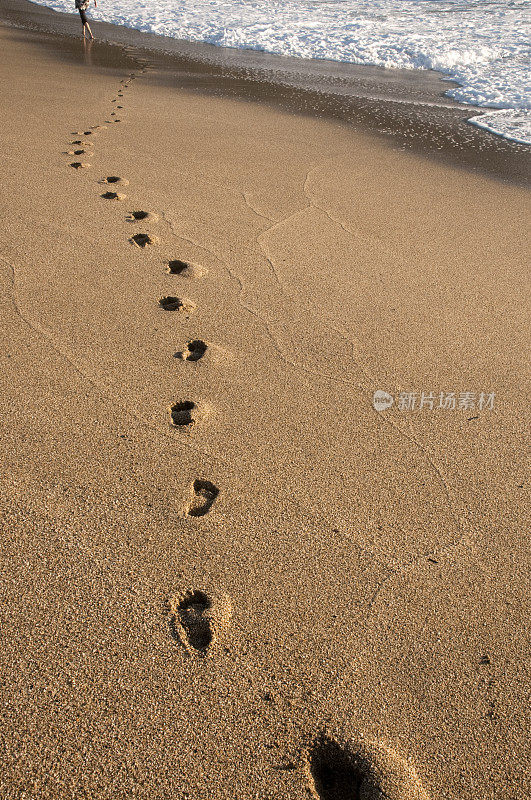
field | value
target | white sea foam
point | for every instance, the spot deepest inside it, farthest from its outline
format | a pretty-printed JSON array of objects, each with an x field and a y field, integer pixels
[{"x": 481, "y": 44}]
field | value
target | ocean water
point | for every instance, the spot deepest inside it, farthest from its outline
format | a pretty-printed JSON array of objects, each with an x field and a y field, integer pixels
[{"x": 484, "y": 45}]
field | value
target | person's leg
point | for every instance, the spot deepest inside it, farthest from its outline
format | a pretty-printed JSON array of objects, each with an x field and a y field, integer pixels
[{"x": 85, "y": 24}]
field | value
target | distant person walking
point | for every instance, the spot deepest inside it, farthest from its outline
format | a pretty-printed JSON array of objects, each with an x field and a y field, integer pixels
[{"x": 82, "y": 6}]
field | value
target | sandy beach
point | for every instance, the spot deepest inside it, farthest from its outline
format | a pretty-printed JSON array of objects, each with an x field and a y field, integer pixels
[{"x": 225, "y": 573}]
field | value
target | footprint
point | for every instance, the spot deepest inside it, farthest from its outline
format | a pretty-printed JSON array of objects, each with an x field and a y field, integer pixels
[
  {"x": 81, "y": 143},
  {"x": 113, "y": 196},
  {"x": 187, "y": 413},
  {"x": 360, "y": 770},
  {"x": 197, "y": 620},
  {"x": 196, "y": 350},
  {"x": 114, "y": 179},
  {"x": 204, "y": 494},
  {"x": 143, "y": 240},
  {"x": 98, "y": 127},
  {"x": 186, "y": 269},
  {"x": 76, "y": 152},
  {"x": 79, "y": 165},
  {"x": 177, "y": 304},
  {"x": 142, "y": 216}
]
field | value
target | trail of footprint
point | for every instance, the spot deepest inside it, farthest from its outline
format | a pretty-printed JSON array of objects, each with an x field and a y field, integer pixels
[
  {"x": 204, "y": 495},
  {"x": 192, "y": 620},
  {"x": 197, "y": 620},
  {"x": 361, "y": 769}
]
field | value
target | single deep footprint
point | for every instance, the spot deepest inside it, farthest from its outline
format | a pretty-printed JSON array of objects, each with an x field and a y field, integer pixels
[
  {"x": 113, "y": 196},
  {"x": 204, "y": 495},
  {"x": 79, "y": 165},
  {"x": 360, "y": 770},
  {"x": 187, "y": 413},
  {"x": 197, "y": 620},
  {"x": 143, "y": 240},
  {"x": 195, "y": 350},
  {"x": 142, "y": 216},
  {"x": 186, "y": 269},
  {"x": 171, "y": 303},
  {"x": 115, "y": 180}
]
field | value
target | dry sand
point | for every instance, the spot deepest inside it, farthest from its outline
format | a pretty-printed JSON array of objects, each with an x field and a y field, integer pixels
[{"x": 224, "y": 574}]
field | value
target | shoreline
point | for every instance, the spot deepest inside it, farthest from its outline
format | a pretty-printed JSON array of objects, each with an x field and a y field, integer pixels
[{"x": 405, "y": 109}]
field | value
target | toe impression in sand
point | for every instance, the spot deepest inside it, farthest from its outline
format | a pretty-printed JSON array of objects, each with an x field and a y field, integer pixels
[
  {"x": 195, "y": 351},
  {"x": 187, "y": 413},
  {"x": 142, "y": 216},
  {"x": 114, "y": 180},
  {"x": 360, "y": 769},
  {"x": 203, "y": 496},
  {"x": 186, "y": 269},
  {"x": 181, "y": 304},
  {"x": 113, "y": 196},
  {"x": 143, "y": 240},
  {"x": 198, "y": 619}
]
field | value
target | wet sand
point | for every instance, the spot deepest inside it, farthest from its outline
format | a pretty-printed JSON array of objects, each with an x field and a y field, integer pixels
[
  {"x": 224, "y": 573},
  {"x": 408, "y": 109}
]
